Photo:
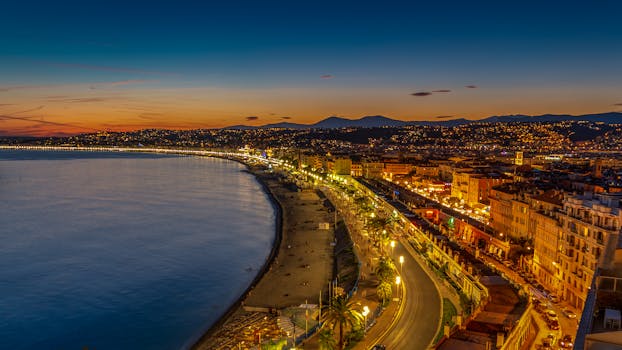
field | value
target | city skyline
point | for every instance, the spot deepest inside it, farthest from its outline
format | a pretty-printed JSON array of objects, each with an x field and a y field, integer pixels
[{"x": 70, "y": 68}]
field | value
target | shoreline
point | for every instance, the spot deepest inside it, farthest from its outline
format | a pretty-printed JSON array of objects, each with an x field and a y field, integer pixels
[
  {"x": 237, "y": 305},
  {"x": 297, "y": 262}
]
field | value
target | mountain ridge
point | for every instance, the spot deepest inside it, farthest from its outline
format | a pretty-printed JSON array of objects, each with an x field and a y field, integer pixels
[{"x": 334, "y": 122}]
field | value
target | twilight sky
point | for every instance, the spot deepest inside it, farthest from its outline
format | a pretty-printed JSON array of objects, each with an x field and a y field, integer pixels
[{"x": 70, "y": 67}]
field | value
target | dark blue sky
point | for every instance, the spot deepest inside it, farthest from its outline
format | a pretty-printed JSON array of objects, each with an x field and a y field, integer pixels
[{"x": 555, "y": 51}]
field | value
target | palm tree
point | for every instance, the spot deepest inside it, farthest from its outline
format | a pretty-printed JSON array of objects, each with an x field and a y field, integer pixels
[
  {"x": 343, "y": 313},
  {"x": 327, "y": 340}
]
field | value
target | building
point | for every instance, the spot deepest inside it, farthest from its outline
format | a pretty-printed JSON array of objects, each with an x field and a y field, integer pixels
[
  {"x": 590, "y": 231},
  {"x": 547, "y": 234},
  {"x": 396, "y": 169},
  {"x": 342, "y": 166},
  {"x": 372, "y": 170},
  {"x": 356, "y": 170},
  {"x": 509, "y": 209}
]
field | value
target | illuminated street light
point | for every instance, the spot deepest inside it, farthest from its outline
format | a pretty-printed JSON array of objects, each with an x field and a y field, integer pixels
[
  {"x": 365, "y": 313},
  {"x": 398, "y": 281},
  {"x": 401, "y": 263},
  {"x": 392, "y": 247}
]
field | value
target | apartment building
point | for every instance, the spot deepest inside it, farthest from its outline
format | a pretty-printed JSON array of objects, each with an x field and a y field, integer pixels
[
  {"x": 547, "y": 235},
  {"x": 590, "y": 230},
  {"x": 372, "y": 169},
  {"x": 509, "y": 209}
]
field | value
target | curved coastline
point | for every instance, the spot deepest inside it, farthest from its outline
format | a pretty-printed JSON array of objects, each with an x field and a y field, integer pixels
[
  {"x": 264, "y": 269},
  {"x": 199, "y": 341}
]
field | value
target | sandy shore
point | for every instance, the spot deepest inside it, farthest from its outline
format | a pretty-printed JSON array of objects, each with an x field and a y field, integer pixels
[{"x": 298, "y": 269}]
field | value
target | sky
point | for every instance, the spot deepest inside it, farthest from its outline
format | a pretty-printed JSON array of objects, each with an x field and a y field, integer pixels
[{"x": 70, "y": 67}]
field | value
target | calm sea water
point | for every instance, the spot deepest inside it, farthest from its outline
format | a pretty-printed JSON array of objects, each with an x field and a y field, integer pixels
[{"x": 124, "y": 251}]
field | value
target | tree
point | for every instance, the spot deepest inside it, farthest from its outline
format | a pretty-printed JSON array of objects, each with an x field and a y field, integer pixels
[
  {"x": 342, "y": 313},
  {"x": 327, "y": 340},
  {"x": 384, "y": 291},
  {"x": 274, "y": 345},
  {"x": 383, "y": 238},
  {"x": 379, "y": 227},
  {"x": 385, "y": 271}
]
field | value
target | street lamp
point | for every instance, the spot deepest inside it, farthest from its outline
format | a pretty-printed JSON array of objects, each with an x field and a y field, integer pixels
[
  {"x": 398, "y": 280},
  {"x": 392, "y": 247},
  {"x": 401, "y": 263},
  {"x": 365, "y": 313}
]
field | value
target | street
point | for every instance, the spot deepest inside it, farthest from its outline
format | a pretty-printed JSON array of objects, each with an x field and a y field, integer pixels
[{"x": 418, "y": 324}]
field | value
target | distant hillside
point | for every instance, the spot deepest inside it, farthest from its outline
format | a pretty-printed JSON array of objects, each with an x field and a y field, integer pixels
[
  {"x": 381, "y": 121},
  {"x": 607, "y": 118}
]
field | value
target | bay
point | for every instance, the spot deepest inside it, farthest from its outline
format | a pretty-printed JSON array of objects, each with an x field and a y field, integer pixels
[{"x": 124, "y": 250}]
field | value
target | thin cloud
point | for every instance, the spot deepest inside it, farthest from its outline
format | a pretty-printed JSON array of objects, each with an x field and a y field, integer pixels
[
  {"x": 444, "y": 116},
  {"x": 471, "y": 86},
  {"x": 108, "y": 68},
  {"x": 80, "y": 100},
  {"x": 421, "y": 94},
  {"x": 286, "y": 117},
  {"x": 443, "y": 90},
  {"x": 42, "y": 121},
  {"x": 113, "y": 84},
  {"x": 150, "y": 116},
  {"x": 251, "y": 117},
  {"x": 5, "y": 104},
  {"x": 617, "y": 104},
  {"x": 327, "y": 76},
  {"x": 28, "y": 110},
  {"x": 20, "y": 87},
  {"x": 92, "y": 86}
]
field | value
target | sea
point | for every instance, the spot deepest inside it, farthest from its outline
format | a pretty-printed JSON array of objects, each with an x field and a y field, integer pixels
[{"x": 111, "y": 250}]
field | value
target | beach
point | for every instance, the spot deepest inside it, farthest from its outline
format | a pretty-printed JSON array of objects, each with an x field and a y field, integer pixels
[{"x": 298, "y": 269}]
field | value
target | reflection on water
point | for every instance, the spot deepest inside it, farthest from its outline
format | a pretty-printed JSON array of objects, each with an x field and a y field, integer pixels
[{"x": 123, "y": 251}]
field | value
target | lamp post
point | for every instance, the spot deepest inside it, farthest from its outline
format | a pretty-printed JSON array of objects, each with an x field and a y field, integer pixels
[
  {"x": 401, "y": 263},
  {"x": 392, "y": 247},
  {"x": 365, "y": 313},
  {"x": 398, "y": 281}
]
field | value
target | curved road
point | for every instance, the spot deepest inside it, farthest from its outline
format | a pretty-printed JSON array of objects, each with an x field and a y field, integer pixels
[{"x": 418, "y": 324}]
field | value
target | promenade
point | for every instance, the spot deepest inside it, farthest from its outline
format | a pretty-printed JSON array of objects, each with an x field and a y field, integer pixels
[{"x": 302, "y": 267}]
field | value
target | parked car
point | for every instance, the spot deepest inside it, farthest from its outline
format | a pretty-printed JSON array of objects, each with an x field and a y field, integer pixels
[
  {"x": 569, "y": 313},
  {"x": 566, "y": 341},
  {"x": 554, "y": 325},
  {"x": 379, "y": 347},
  {"x": 548, "y": 342},
  {"x": 554, "y": 299}
]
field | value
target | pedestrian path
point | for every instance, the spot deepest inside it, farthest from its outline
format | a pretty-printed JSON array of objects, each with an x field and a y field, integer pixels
[{"x": 286, "y": 325}]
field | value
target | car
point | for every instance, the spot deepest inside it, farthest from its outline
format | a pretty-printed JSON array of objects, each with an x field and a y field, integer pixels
[
  {"x": 566, "y": 341},
  {"x": 379, "y": 347},
  {"x": 548, "y": 342},
  {"x": 554, "y": 299},
  {"x": 551, "y": 315},
  {"x": 554, "y": 325},
  {"x": 569, "y": 313}
]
